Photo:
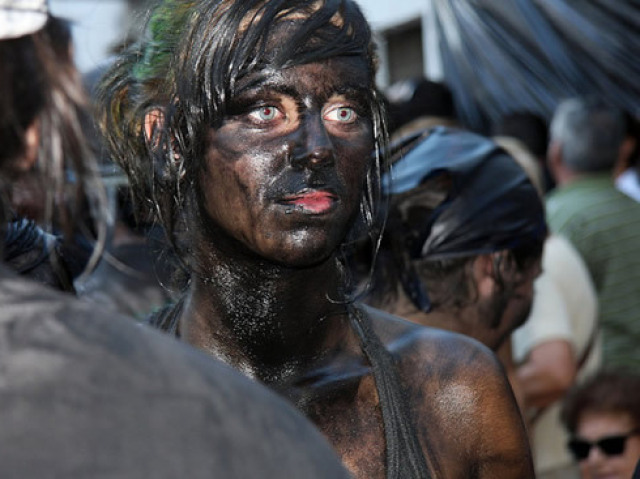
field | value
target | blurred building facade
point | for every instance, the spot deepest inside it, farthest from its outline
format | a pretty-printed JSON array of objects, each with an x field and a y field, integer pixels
[{"x": 496, "y": 57}]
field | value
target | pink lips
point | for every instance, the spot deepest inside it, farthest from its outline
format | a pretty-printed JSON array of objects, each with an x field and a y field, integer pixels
[{"x": 312, "y": 201}]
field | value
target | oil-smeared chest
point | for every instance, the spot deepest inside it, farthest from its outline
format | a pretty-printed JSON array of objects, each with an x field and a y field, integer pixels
[{"x": 345, "y": 407}]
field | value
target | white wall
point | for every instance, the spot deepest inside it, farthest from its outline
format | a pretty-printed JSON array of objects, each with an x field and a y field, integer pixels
[
  {"x": 383, "y": 14},
  {"x": 386, "y": 14},
  {"x": 96, "y": 25},
  {"x": 99, "y": 24}
]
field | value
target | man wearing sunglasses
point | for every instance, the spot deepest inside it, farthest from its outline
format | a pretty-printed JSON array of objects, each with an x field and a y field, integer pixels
[{"x": 603, "y": 418}]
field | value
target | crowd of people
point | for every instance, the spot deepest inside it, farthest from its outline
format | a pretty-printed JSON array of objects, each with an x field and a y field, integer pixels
[{"x": 293, "y": 273}]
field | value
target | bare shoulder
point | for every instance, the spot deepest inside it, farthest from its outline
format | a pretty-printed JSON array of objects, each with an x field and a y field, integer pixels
[
  {"x": 460, "y": 398},
  {"x": 440, "y": 353}
]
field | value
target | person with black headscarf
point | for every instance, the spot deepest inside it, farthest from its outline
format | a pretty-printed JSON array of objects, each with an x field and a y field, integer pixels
[{"x": 464, "y": 237}]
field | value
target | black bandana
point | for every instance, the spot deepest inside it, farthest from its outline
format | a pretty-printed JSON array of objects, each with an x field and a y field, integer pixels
[{"x": 490, "y": 204}]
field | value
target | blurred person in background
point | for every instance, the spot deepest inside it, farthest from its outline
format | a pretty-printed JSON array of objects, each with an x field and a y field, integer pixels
[
  {"x": 463, "y": 239},
  {"x": 533, "y": 131},
  {"x": 603, "y": 224},
  {"x": 558, "y": 344},
  {"x": 415, "y": 104},
  {"x": 34, "y": 244},
  {"x": 602, "y": 416}
]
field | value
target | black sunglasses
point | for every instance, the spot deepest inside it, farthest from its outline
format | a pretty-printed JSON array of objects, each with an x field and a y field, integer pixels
[{"x": 610, "y": 445}]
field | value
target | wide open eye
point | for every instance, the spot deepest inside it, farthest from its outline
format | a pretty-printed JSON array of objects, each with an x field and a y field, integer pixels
[
  {"x": 342, "y": 114},
  {"x": 264, "y": 113}
]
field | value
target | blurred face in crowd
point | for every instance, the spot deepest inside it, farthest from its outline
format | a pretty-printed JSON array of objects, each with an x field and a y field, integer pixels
[
  {"x": 606, "y": 445},
  {"x": 509, "y": 305},
  {"x": 521, "y": 295}
]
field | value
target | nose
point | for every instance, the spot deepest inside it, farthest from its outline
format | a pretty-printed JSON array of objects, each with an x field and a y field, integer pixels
[
  {"x": 596, "y": 457},
  {"x": 313, "y": 148}
]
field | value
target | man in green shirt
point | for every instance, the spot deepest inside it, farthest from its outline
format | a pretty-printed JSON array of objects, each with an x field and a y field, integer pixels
[{"x": 602, "y": 223}]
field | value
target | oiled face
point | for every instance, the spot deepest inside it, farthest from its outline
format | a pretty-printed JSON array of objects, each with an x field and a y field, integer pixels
[{"x": 284, "y": 172}]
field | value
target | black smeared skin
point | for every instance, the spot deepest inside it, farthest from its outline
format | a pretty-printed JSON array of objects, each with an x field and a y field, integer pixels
[{"x": 264, "y": 295}]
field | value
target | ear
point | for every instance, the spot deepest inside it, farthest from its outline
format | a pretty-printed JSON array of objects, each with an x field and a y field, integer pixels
[
  {"x": 484, "y": 275},
  {"x": 153, "y": 122}
]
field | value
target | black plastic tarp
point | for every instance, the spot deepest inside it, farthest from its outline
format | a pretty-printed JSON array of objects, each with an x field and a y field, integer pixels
[{"x": 500, "y": 56}]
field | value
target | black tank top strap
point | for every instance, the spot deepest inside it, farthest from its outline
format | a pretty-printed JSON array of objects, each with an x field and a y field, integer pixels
[
  {"x": 405, "y": 458},
  {"x": 167, "y": 319}
]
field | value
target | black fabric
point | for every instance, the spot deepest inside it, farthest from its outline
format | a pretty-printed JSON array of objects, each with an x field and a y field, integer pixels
[
  {"x": 36, "y": 254},
  {"x": 490, "y": 204},
  {"x": 405, "y": 459},
  {"x": 85, "y": 394},
  {"x": 23, "y": 235},
  {"x": 503, "y": 56}
]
